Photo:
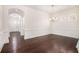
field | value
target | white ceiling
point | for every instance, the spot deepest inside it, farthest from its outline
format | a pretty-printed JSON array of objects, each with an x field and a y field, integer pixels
[{"x": 51, "y": 8}]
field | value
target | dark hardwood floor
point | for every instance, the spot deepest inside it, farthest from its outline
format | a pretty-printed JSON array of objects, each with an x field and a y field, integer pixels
[{"x": 44, "y": 44}]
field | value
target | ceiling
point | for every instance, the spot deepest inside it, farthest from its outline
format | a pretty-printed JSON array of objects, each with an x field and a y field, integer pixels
[{"x": 51, "y": 8}]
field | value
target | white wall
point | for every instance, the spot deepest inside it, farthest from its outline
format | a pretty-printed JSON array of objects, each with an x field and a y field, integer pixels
[
  {"x": 1, "y": 34},
  {"x": 66, "y": 23},
  {"x": 0, "y": 18},
  {"x": 37, "y": 23}
]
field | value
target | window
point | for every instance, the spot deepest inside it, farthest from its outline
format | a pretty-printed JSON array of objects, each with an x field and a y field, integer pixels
[{"x": 16, "y": 20}]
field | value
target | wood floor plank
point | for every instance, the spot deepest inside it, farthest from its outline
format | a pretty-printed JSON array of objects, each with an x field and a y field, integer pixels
[{"x": 45, "y": 44}]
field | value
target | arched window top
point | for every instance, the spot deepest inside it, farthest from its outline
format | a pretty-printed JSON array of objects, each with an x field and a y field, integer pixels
[
  {"x": 16, "y": 11},
  {"x": 16, "y": 17}
]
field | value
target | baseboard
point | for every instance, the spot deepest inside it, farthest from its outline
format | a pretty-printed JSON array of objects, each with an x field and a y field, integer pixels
[
  {"x": 66, "y": 36},
  {"x": 49, "y": 34},
  {"x": 26, "y": 37}
]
